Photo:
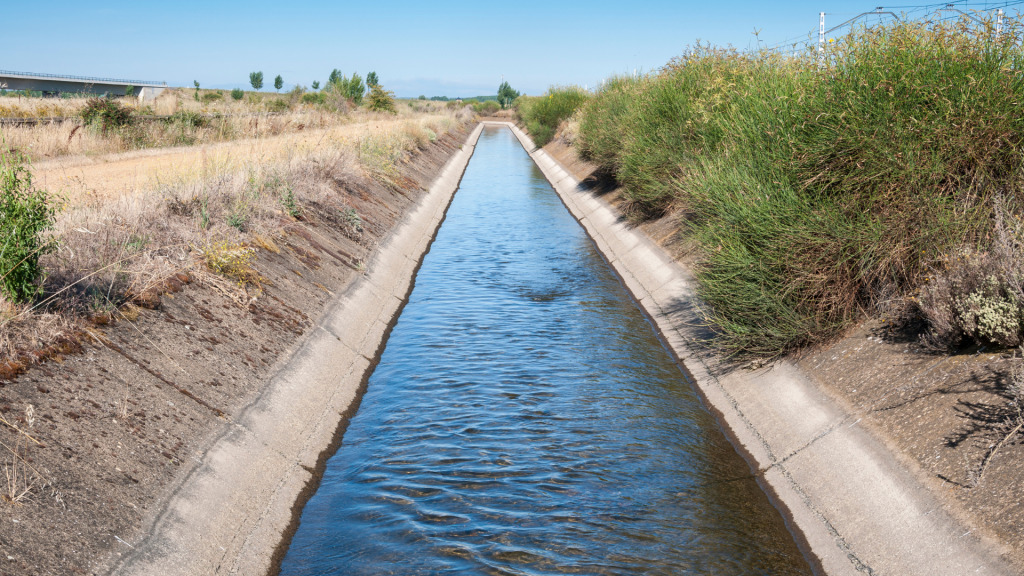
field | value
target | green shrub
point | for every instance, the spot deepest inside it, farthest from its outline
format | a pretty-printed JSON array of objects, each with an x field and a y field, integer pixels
[
  {"x": 107, "y": 114},
  {"x": 237, "y": 94},
  {"x": 278, "y": 105},
  {"x": 313, "y": 98},
  {"x": 543, "y": 114},
  {"x": 487, "y": 107},
  {"x": 212, "y": 96},
  {"x": 350, "y": 88},
  {"x": 813, "y": 195},
  {"x": 188, "y": 119},
  {"x": 381, "y": 100},
  {"x": 603, "y": 118},
  {"x": 26, "y": 214}
]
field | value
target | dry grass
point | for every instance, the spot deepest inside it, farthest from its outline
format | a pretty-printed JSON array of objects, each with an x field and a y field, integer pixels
[
  {"x": 193, "y": 122},
  {"x": 204, "y": 222}
]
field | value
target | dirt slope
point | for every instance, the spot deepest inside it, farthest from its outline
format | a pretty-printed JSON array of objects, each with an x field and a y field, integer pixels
[{"x": 115, "y": 418}]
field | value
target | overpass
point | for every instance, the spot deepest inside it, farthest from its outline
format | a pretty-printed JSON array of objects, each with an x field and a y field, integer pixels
[{"x": 56, "y": 84}]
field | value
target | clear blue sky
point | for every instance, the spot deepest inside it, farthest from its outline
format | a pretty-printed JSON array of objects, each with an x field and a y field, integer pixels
[{"x": 431, "y": 48}]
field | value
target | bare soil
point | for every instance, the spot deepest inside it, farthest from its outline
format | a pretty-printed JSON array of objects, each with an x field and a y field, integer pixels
[
  {"x": 123, "y": 411},
  {"x": 941, "y": 415}
]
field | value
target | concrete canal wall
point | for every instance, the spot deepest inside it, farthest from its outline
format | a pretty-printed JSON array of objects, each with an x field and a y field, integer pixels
[
  {"x": 853, "y": 506},
  {"x": 232, "y": 513}
]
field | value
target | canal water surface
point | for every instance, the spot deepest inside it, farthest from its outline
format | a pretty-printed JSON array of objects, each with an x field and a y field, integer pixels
[{"x": 525, "y": 419}]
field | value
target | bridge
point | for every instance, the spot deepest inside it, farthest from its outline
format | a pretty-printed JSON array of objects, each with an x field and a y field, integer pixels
[{"x": 56, "y": 84}]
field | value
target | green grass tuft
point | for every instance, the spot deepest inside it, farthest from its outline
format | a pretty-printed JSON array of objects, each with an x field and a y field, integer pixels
[{"x": 819, "y": 194}]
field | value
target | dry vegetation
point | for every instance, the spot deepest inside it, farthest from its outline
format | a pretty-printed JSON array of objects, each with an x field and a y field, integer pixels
[
  {"x": 118, "y": 252},
  {"x": 176, "y": 118}
]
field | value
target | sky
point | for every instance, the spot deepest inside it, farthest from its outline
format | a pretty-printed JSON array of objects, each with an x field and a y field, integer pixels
[{"x": 429, "y": 48}]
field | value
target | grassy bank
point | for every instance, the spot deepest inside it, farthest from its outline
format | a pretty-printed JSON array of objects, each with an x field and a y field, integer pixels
[
  {"x": 542, "y": 115},
  {"x": 885, "y": 180},
  {"x": 107, "y": 254}
]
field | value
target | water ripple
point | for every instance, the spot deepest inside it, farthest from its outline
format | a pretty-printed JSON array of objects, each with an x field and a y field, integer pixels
[{"x": 524, "y": 419}]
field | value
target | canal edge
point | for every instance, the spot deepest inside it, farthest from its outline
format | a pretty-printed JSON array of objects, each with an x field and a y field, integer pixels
[
  {"x": 852, "y": 505},
  {"x": 250, "y": 485}
]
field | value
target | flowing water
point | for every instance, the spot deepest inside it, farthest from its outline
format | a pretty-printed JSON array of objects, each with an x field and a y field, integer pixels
[{"x": 525, "y": 419}]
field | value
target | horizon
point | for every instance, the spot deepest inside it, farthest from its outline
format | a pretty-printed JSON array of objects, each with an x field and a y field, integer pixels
[{"x": 415, "y": 49}]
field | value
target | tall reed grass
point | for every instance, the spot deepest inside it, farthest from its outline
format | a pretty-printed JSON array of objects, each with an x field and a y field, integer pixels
[
  {"x": 543, "y": 114},
  {"x": 820, "y": 193}
]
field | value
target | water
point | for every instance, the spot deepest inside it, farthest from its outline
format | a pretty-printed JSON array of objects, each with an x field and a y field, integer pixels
[{"x": 524, "y": 419}]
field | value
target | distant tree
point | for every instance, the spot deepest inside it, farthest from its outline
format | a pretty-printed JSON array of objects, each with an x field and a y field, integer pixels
[
  {"x": 372, "y": 80},
  {"x": 316, "y": 84},
  {"x": 335, "y": 78},
  {"x": 381, "y": 100},
  {"x": 237, "y": 94},
  {"x": 422, "y": 97},
  {"x": 196, "y": 82},
  {"x": 129, "y": 90},
  {"x": 278, "y": 83},
  {"x": 356, "y": 88},
  {"x": 506, "y": 95},
  {"x": 256, "y": 80}
]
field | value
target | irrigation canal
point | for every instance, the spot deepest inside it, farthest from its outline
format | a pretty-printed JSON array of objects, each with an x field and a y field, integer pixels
[{"x": 525, "y": 419}]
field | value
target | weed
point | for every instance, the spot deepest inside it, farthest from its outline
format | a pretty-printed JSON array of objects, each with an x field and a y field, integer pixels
[
  {"x": 352, "y": 219},
  {"x": 26, "y": 214},
  {"x": 204, "y": 215},
  {"x": 291, "y": 207},
  {"x": 18, "y": 474},
  {"x": 231, "y": 260},
  {"x": 237, "y": 219},
  {"x": 237, "y": 94}
]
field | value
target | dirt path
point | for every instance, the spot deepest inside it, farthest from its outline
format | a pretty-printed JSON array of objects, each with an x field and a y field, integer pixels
[{"x": 81, "y": 178}]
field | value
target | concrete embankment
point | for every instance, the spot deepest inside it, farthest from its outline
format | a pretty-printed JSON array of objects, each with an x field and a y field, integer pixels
[
  {"x": 851, "y": 503},
  {"x": 231, "y": 512}
]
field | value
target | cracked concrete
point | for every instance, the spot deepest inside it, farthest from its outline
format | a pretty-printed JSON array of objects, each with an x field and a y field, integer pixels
[
  {"x": 852, "y": 505},
  {"x": 232, "y": 511}
]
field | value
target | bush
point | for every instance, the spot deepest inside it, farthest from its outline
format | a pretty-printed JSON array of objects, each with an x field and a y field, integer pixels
[
  {"x": 212, "y": 96},
  {"x": 25, "y": 216},
  {"x": 487, "y": 107},
  {"x": 188, "y": 119},
  {"x": 313, "y": 98},
  {"x": 108, "y": 114},
  {"x": 237, "y": 94},
  {"x": 381, "y": 100},
  {"x": 543, "y": 114},
  {"x": 278, "y": 105},
  {"x": 602, "y": 120},
  {"x": 350, "y": 88},
  {"x": 814, "y": 197}
]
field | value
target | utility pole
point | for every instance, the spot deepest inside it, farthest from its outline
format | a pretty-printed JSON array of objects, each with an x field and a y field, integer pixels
[
  {"x": 821, "y": 40},
  {"x": 999, "y": 23}
]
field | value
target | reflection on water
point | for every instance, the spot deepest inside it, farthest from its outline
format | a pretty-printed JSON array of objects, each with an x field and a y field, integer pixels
[{"x": 524, "y": 419}]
